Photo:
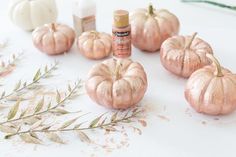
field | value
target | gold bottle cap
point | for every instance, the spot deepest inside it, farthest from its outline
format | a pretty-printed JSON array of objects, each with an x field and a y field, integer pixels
[{"x": 121, "y": 18}]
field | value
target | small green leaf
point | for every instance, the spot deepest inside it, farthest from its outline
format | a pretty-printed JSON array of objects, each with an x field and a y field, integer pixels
[
  {"x": 95, "y": 121},
  {"x": 37, "y": 75},
  {"x": 114, "y": 116},
  {"x": 54, "y": 137},
  {"x": 39, "y": 105},
  {"x": 30, "y": 139},
  {"x": 77, "y": 126},
  {"x": 33, "y": 134},
  {"x": 24, "y": 84},
  {"x": 84, "y": 137},
  {"x": 23, "y": 113},
  {"x": 104, "y": 120},
  {"x": 13, "y": 110},
  {"x": 3, "y": 94},
  {"x": 68, "y": 123},
  {"x": 17, "y": 86},
  {"x": 58, "y": 97},
  {"x": 7, "y": 129},
  {"x": 46, "y": 69},
  {"x": 69, "y": 88},
  {"x": 49, "y": 105},
  {"x": 60, "y": 111}
]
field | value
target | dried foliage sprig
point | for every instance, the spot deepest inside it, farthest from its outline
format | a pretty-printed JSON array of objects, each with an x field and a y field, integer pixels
[
  {"x": 8, "y": 66},
  {"x": 212, "y": 3},
  {"x": 39, "y": 75},
  {"x": 108, "y": 123},
  {"x": 40, "y": 106}
]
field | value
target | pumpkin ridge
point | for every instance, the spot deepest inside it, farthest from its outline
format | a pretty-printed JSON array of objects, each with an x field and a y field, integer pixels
[
  {"x": 54, "y": 42},
  {"x": 67, "y": 38},
  {"x": 231, "y": 79},
  {"x": 223, "y": 91},
  {"x": 131, "y": 89},
  {"x": 136, "y": 77},
  {"x": 103, "y": 45},
  {"x": 198, "y": 56},
  {"x": 107, "y": 52},
  {"x": 13, "y": 8},
  {"x": 30, "y": 15},
  {"x": 104, "y": 79},
  {"x": 202, "y": 94},
  {"x": 158, "y": 26},
  {"x": 41, "y": 37}
]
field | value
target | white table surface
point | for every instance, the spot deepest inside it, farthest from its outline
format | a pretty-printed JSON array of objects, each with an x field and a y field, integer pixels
[{"x": 184, "y": 134}]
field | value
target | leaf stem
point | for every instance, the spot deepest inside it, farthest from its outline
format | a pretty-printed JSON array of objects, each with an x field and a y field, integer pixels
[
  {"x": 45, "y": 74},
  {"x": 111, "y": 123},
  {"x": 47, "y": 110}
]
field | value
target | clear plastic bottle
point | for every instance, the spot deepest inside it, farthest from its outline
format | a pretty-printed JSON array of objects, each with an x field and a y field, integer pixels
[{"x": 84, "y": 16}]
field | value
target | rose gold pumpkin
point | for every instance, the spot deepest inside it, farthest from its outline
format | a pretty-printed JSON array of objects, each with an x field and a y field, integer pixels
[
  {"x": 182, "y": 55},
  {"x": 95, "y": 45},
  {"x": 150, "y": 27},
  {"x": 117, "y": 84},
  {"x": 212, "y": 90},
  {"x": 53, "y": 39}
]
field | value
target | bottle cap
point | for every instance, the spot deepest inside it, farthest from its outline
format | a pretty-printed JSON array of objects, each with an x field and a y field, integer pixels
[{"x": 121, "y": 18}]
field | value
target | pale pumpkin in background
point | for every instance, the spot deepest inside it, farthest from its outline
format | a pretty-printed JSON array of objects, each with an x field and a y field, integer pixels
[
  {"x": 53, "y": 39},
  {"x": 212, "y": 89},
  {"x": 150, "y": 27},
  {"x": 95, "y": 45},
  {"x": 182, "y": 55},
  {"x": 117, "y": 84},
  {"x": 29, "y": 14}
]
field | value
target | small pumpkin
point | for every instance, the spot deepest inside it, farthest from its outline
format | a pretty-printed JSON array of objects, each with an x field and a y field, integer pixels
[
  {"x": 117, "y": 84},
  {"x": 29, "y": 14},
  {"x": 95, "y": 45},
  {"x": 150, "y": 28},
  {"x": 211, "y": 90},
  {"x": 53, "y": 38},
  {"x": 182, "y": 55}
]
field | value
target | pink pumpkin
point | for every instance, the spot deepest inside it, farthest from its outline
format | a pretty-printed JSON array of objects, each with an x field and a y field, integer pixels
[
  {"x": 150, "y": 27},
  {"x": 182, "y": 55},
  {"x": 53, "y": 39},
  {"x": 95, "y": 45},
  {"x": 211, "y": 90},
  {"x": 117, "y": 84}
]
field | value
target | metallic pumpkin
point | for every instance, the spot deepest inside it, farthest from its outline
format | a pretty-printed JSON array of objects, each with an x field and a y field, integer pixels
[
  {"x": 212, "y": 90},
  {"x": 53, "y": 38},
  {"x": 95, "y": 45},
  {"x": 182, "y": 55},
  {"x": 117, "y": 84},
  {"x": 150, "y": 28}
]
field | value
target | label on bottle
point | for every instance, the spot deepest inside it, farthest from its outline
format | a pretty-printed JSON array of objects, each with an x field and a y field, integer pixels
[
  {"x": 88, "y": 23},
  {"x": 84, "y": 24},
  {"x": 121, "y": 44}
]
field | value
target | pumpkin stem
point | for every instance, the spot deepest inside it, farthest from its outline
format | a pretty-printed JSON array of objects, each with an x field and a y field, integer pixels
[
  {"x": 217, "y": 64},
  {"x": 117, "y": 71},
  {"x": 94, "y": 33},
  {"x": 191, "y": 41},
  {"x": 53, "y": 27},
  {"x": 150, "y": 9}
]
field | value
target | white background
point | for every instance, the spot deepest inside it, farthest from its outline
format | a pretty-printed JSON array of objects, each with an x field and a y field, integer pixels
[{"x": 182, "y": 135}]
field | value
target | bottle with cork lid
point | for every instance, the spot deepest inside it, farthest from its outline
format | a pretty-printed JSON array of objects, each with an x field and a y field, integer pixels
[{"x": 121, "y": 34}]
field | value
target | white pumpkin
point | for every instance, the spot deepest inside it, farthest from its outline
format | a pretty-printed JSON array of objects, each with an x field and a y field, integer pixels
[{"x": 29, "y": 14}]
